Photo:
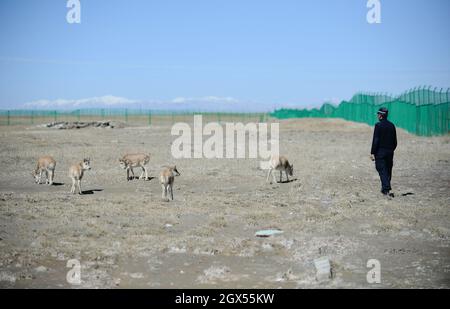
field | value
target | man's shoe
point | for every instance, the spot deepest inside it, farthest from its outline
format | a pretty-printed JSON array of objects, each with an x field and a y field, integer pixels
[{"x": 391, "y": 194}]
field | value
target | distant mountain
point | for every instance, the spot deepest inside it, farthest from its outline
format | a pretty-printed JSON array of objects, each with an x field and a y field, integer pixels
[{"x": 205, "y": 104}]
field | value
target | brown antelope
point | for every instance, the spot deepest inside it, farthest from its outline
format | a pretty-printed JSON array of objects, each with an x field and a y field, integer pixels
[
  {"x": 129, "y": 161},
  {"x": 167, "y": 178},
  {"x": 281, "y": 164},
  {"x": 76, "y": 173},
  {"x": 47, "y": 165}
]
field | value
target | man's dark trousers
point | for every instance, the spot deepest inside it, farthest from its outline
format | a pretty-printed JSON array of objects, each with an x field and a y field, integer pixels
[{"x": 383, "y": 163}]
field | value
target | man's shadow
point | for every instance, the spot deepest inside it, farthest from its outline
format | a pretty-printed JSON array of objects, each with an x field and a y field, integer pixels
[{"x": 407, "y": 193}]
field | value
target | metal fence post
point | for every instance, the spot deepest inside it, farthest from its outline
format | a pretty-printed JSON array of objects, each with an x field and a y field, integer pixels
[
  {"x": 418, "y": 95},
  {"x": 423, "y": 95}
]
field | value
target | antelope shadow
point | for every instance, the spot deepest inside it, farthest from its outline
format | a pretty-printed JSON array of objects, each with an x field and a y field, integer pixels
[{"x": 91, "y": 191}]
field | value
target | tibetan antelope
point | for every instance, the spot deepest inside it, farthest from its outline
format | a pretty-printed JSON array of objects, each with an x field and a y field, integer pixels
[
  {"x": 281, "y": 164},
  {"x": 47, "y": 165},
  {"x": 76, "y": 172},
  {"x": 167, "y": 177},
  {"x": 129, "y": 161}
]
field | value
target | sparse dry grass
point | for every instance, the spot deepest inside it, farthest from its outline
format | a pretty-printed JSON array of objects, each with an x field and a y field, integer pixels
[{"x": 125, "y": 235}]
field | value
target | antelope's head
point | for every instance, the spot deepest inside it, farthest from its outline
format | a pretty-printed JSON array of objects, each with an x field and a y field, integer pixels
[{"x": 86, "y": 164}]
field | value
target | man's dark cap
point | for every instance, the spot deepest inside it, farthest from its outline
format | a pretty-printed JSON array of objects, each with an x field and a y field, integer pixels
[{"x": 383, "y": 111}]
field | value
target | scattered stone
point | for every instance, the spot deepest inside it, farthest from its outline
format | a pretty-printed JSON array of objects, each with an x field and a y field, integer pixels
[
  {"x": 405, "y": 233},
  {"x": 267, "y": 247},
  {"x": 268, "y": 233},
  {"x": 117, "y": 281},
  {"x": 177, "y": 250},
  {"x": 288, "y": 276},
  {"x": 214, "y": 273},
  {"x": 137, "y": 275},
  {"x": 41, "y": 269},
  {"x": 323, "y": 269}
]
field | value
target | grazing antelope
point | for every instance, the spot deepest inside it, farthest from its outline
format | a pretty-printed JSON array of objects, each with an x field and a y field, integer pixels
[
  {"x": 76, "y": 172},
  {"x": 129, "y": 161},
  {"x": 281, "y": 164},
  {"x": 47, "y": 165},
  {"x": 167, "y": 177}
]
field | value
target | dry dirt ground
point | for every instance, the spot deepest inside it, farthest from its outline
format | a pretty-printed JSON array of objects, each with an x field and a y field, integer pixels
[{"x": 125, "y": 236}]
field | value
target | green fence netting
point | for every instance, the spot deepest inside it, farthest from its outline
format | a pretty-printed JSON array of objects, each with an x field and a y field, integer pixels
[{"x": 422, "y": 111}]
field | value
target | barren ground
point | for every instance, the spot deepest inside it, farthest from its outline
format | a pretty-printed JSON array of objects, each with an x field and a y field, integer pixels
[{"x": 125, "y": 236}]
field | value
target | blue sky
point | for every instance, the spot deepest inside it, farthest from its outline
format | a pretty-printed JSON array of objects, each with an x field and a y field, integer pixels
[{"x": 250, "y": 54}]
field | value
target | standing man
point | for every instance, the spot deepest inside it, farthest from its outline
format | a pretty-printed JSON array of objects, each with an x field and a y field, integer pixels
[{"x": 383, "y": 147}]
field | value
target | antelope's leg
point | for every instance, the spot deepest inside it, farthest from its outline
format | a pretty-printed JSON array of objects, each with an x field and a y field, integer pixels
[
  {"x": 268, "y": 174},
  {"x": 163, "y": 191},
  {"x": 72, "y": 189},
  {"x": 50, "y": 180},
  {"x": 274, "y": 177}
]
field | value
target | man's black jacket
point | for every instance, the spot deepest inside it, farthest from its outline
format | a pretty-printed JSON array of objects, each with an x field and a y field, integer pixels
[{"x": 384, "y": 137}]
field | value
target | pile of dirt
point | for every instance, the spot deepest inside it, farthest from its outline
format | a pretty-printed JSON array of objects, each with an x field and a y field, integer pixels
[{"x": 64, "y": 125}]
